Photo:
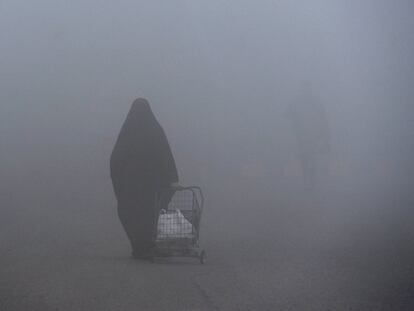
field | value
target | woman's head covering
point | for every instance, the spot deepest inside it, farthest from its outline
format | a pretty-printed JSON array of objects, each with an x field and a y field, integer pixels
[{"x": 141, "y": 158}]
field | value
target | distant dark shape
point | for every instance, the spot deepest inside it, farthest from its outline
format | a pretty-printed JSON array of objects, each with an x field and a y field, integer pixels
[
  {"x": 312, "y": 132},
  {"x": 141, "y": 165}
]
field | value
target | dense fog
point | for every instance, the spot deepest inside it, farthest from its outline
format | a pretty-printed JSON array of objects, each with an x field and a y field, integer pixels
[{"x": 289, "y": 114}]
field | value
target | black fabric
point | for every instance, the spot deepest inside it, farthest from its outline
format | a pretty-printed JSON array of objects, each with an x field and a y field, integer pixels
[{"x": 141, "y": 165}]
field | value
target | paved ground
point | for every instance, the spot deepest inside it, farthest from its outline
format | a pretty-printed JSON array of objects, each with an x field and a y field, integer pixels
[{"x": 73, "y": 256}]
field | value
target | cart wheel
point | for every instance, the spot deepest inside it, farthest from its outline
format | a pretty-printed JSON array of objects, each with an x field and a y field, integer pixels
[{"x": 202, "y": 257}]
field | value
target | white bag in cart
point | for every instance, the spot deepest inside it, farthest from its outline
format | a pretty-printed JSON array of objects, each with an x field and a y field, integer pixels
[{"x": 172, "y": 224}]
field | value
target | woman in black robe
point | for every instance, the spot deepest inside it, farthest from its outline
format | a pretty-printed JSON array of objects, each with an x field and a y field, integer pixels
[{"x": 141, "y": 165}]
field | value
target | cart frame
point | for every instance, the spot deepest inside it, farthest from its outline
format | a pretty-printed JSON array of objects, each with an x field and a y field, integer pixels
[{"x": 179, "y": 246}]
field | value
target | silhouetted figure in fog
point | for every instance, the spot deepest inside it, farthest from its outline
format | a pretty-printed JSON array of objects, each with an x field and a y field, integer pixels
[
  {"x": 311, "y": 129},
  {"x": 141, "y": 165}
]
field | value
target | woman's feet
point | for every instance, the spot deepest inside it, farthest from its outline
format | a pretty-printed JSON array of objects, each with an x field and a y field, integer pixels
[{"x": 142, "y": 254}]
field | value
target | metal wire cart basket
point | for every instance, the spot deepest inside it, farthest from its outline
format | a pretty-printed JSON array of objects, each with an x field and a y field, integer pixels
[{"x": 177, "y": 227}]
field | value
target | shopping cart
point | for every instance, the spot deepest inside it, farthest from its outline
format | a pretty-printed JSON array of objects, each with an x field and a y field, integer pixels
[{"x": 177, "y": 227}]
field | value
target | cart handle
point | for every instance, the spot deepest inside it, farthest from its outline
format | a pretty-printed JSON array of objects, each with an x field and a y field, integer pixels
[
  {"x": 196, "y": 190},
  {"x": 191, "y": 188}
]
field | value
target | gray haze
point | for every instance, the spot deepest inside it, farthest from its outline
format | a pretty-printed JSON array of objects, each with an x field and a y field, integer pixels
[{"x": 231, "y": 82}]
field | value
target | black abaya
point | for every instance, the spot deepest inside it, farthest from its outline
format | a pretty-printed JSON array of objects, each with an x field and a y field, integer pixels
[{"x": 141, "y": 165}]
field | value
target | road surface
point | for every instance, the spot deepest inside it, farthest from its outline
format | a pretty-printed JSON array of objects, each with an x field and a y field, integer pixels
[{"x": 73, "y": 255}]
